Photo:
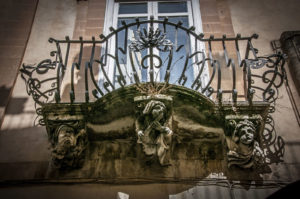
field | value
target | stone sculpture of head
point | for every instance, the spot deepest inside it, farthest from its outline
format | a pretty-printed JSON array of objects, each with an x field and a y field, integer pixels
[
  {"x": 244, "y": 132},
  {"x": 155, "y": 108}
]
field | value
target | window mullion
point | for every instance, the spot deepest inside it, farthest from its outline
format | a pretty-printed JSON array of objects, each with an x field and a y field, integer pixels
[{"x": 154, "y": 13}]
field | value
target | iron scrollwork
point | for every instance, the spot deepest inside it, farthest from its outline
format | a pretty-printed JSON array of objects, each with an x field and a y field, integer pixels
[{"x": 273, "y": 77}]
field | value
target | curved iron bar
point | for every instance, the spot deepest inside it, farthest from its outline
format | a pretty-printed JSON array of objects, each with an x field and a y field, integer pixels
[
  {"x": 72, "y": 92},
  {"x": 234, "y": 91},
  {"x": 219, "y": 90},
  {"x": 135, "y": 75},
  {"x": 183, "y": 76},
  {"x": 59, "y": 78},
  {"x": 227, "y": 59},
  {"x": 170, "y": 58},
  {"x": 197, "y": 79},
  {"x": 108, "y": 82},
  {"x": 121, "y": 79},
  {"x": 97, "y": 90},
  {"x": 67, "y": 52},
  {"x": 208, "y": 87},
  {"x": 58, "y": 49},
  {"x": 87, "y": 66},
  {"x": 248, "y": 81}
]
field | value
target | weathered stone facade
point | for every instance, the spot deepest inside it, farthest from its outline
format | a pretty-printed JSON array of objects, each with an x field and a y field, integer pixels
[{"x": 192, "y": 132}]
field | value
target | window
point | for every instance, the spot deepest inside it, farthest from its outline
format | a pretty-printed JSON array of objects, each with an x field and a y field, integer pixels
[{"x": 184, "y": 11}]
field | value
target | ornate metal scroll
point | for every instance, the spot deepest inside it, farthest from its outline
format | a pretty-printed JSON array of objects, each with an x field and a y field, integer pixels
[{"x": 266, "y": 85}]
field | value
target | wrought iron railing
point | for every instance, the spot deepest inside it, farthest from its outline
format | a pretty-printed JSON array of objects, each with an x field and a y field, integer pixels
[{"x": 153, "y": 51}]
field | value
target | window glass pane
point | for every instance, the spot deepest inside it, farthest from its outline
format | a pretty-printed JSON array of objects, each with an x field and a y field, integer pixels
[
  {"x": 178, "y": 60},
  {"x": 124, "y": 58},
  {"x": 164, "y": 7},
  {"x": 132, "y": 8}
]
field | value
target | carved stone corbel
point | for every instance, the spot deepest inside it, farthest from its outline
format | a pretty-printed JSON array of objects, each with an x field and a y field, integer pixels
[
  {"x": 153, "y": 126},
  {"x": 69, "y": 146},
  {"x": 242, "y": 141}
]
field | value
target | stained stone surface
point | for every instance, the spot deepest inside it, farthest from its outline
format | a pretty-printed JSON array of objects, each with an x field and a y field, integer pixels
[{"x": 112, "y": 154}]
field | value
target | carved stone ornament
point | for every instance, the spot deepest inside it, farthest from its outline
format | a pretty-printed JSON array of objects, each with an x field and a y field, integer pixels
[
  {"x": 154, "y": 130},
  {"x": 70, "y": 147},
  {"x": 244, "y": 150}
]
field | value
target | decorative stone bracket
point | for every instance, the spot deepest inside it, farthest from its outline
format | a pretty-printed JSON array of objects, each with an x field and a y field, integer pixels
[
  {"x": 153, "y": 125},
  {"x": 243, "y": 141},
  {"x": 126, "y": 135},
  {"x": 69, "y": 143}
]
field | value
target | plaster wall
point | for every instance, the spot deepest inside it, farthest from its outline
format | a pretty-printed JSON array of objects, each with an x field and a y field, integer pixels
[
  {"x": 16, "y": 19},
  {"x": 23, "y": 146}
]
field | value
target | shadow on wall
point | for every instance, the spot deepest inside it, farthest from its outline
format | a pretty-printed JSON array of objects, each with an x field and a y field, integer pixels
[
  {"x": 17, "y": 102},
  {"x": 4, "y": 94}
]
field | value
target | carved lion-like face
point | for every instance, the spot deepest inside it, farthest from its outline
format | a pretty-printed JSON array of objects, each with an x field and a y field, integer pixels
[{"x": 247, "y": 135}]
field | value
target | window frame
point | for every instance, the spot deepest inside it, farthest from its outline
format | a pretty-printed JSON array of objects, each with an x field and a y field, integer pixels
[{"x": 193, "y": 13}]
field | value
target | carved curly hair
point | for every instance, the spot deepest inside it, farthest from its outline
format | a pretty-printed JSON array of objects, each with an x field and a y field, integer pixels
[{"x": 237, "y": 131}]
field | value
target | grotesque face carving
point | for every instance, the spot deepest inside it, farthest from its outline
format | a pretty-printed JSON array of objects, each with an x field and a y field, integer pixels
[
  {"x": 247, "y": 135},
  {"x": 153, "y": 131},
  {"x": 66, "y": 136},
  {"x": 244, "y": 132},
  {"x": 69, "y": 147},
  {"x": 157, "y": 110},
  {"x": 244, "y": 151}
]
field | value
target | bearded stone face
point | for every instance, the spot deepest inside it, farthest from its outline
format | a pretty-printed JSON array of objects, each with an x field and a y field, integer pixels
[
  {"x": 66, "y": 137},
  {"x": 247, "y": 135}
]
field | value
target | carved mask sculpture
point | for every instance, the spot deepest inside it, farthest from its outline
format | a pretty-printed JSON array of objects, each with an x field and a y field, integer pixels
[
  {"x": 244, "y": 150},
  {"x": 153, "y": 131},
  {"x": 69, "y": 148}
]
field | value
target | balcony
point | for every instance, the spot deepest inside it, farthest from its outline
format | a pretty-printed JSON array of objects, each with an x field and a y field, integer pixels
[{"x": 162, "y": 94}]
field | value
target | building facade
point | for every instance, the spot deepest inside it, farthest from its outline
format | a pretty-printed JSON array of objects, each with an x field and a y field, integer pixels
[{"x": 26, "y": 151}]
